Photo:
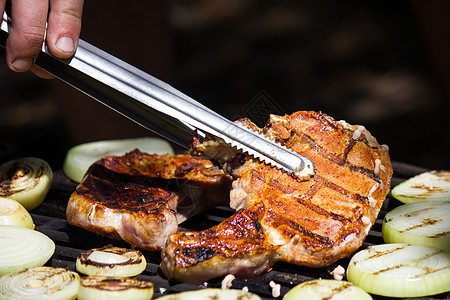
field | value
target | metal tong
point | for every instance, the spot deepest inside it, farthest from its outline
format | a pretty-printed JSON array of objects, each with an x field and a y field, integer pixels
[{"x": 158, "y": 106}]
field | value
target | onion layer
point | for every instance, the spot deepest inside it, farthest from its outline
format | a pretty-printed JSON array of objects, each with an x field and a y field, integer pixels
[
  {"x": 428, "y": 186},
  {"x": 401, "y": 270},
  {"x": 421, "y": 223},
  {"x": 326, "y": 289},
  {"x": 111, "y": 261},
  {"x": 216, "y": 294},
  {"x": 40, "y": 283},
  {"x": 81, "y": 157},
  {"x": 112, "y": 288},
  {"x": 26, "y": 180},
  {"x": 22, "y": 248},
  {"x": 13, "y": 213}
]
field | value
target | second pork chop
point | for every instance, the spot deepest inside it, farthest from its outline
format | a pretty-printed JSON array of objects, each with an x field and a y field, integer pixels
[{"x": 141, "y": 198}]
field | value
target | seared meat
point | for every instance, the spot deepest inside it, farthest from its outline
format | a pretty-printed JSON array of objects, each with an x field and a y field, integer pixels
[
  {"x": 311, "y": 223},
  {"x": 141, "y": 198}
]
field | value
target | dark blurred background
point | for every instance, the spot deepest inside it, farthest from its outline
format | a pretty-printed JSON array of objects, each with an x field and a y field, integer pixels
[{"x": 383, "y": 64}]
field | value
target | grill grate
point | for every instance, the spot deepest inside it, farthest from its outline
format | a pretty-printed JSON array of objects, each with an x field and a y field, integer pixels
[{"x": 70, "y": 241}]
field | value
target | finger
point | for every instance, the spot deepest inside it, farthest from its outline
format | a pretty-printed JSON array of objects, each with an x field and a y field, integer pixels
[
  {"x": 25, "y": 39},
  {"x": 64, "y": 26}
]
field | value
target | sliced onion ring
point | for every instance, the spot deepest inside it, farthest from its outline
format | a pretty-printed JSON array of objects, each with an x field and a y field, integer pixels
[
  {"x": 26, "y": 180},
  {"x": 13, "y": 213},
  {"x": 111, "y": 261},
  {"x": 326, "y": 289},
  {"x": 428, "y": 186},
  {"x": 210, "y": 293},
  {"x": 421, "y": 223},
  {"x": 81, "y": 157},
  {"x": 112, "y": 288},
  {"x": 400, "y": 270},
  {"x": 40, "y": 283},
  {"x": 22, "y": 248}
]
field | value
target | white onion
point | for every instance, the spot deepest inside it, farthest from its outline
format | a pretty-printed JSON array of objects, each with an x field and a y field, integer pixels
[
  {"x": 326, "y": 289},
  {"x": 401, "y": 270},
  {"x": 114, "y": 288},
  {"x": 421, "y": 223},
  {"x": 428, "y": 186},
  {"x": 40, "y": 283},
  {"x": 13, "y": 213},
  {"x": 26, "y": 180},
  {"x": 22, "y": 248},
  {"x": 111, "y": 261},
  {"x": 210, "y": 293},
  {"x": 79, "y": 158}
]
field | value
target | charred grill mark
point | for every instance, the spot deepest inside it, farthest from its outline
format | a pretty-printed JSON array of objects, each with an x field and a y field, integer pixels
[
  {"x": 319, "y": 183},
  {"x": 322, "y": 152},
  {"x": 198, "y": 253},
  {"x": 114, "y": 283},
  {"x": 114, "y": 177},
  {"x": 134, "y": 192},
  {"x": 385, "y": 252},
  {"x": 365, "y": 171},
  {"x": 332, "y": 292},
  {"x": 425, "y": 269},
  {"x": 291, "y": 137},
  {"x": 360, "y": 198},
  {"x": 183, "y": 170},
  {"x": 425, "y": 222},
  {"x": 416, "y": 213},
  {"x": 134, "y": 197},
  {"x": 349, "y": 148},
  {"x": 438, "y": 235},
  {"x": 84, "y": 257},
  {"x": 341, "y": 190},
  {"x": 325, "y": 241},
  {"x": 342, "y": 159},
  {"x": 339, "y": 290},
  {"x": 321, "y": 211},
  {"x": 305, "y": 137},
  {"x": 258, "y": 226},
  {"x": 329, "y": 120}
]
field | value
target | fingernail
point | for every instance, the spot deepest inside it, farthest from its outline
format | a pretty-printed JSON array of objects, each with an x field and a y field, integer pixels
[
  {"x": 65, "y": 44},
  {"x": 22, "y": 64}
]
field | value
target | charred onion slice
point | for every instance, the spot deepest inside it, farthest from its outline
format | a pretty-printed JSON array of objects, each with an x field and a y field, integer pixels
[
  {"x": 22, "y": 248},
  {"x": 216, "y": 294},
  {"x": 421, "y": 223},
  {"x": 401, "y": 270},
  {"x": 428, "y": 186},
  {"x": 80, "y": 158},
  {"x": 26, "y": 180},
  {"x": 111, "y": 261},
  {"x": 13, "y": 213},
  {"x": 40, "y": 283},
  {"x": 112, "y": 288},
  {"x": 326, "y": 289}
]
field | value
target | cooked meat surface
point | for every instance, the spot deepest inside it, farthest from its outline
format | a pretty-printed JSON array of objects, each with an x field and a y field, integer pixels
[
  {"x": 141, "y": 198},
  {"x": 278, "y": 218}
]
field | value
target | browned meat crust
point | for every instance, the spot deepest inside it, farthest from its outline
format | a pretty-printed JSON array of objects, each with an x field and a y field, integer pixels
[
  {"x": 128, "y": 197},
  {"x": 311, "y": 223}
]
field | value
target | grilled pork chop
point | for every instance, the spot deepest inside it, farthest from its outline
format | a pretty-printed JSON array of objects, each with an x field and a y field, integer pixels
[
  {"x": 141, "y": 198},
  {"x": 278, "y": 218}
]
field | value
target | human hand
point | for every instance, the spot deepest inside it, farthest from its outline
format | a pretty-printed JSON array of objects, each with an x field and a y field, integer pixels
[{"x": 29, "y": 18}]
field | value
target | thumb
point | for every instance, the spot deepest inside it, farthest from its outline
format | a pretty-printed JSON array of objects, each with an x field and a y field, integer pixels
[{"x": 64, "y": 27}]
